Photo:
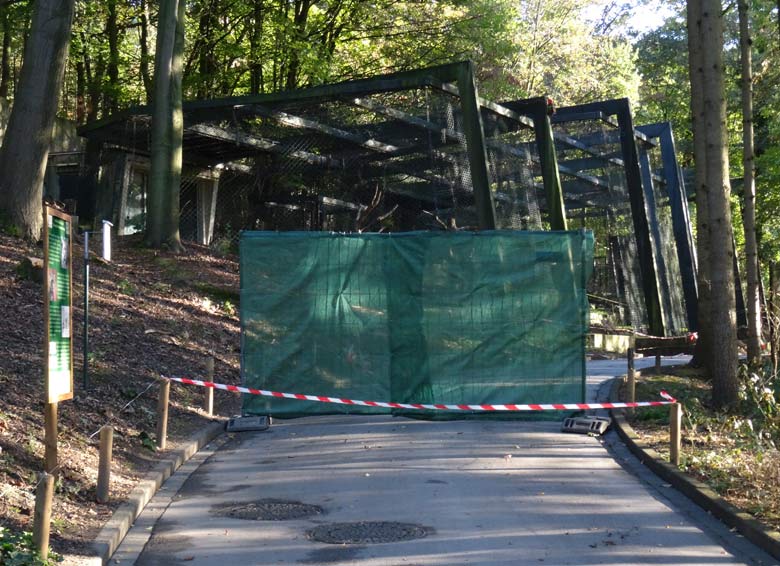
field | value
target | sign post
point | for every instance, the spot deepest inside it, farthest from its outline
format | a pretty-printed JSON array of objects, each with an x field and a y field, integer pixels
[
  {"x": 107, "y": 257},
  {"x": 58, "y": 324}
]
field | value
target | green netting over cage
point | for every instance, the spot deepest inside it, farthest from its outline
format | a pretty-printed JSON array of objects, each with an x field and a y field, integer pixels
[{"x": 418, "y": 317}]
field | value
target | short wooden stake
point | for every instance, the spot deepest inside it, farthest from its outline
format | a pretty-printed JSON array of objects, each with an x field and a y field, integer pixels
[
  {"x": 162, "y": 414},
  {"x": 104, "y": 466},
  {"x": 658, "y": 363},
  {"x": 208, "y": 401},
  {"x": 675, "y": 425},
  {"x": 50, "y": 437},
  {"x": 42, "y": 517}
]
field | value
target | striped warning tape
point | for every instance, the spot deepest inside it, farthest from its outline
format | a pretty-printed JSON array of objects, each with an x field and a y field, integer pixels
[{"x": 436, "y": 406}]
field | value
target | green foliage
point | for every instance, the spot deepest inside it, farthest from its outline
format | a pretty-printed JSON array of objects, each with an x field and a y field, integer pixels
[
  {"x": 7, "y": 227},
  {"x": 755, "y": 424},
  {"x": 146, "y": 441},
  {"x": 18, "y": 549},
  {"x": 218, "y": 294},
  {"x": 126, "y": 287},
  {"x": 233, "y": 47}
]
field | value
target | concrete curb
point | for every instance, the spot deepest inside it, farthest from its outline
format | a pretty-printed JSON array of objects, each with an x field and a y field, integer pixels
[
  {"x": 112, "y": 533},
  {"x": 705, "y": 497}
]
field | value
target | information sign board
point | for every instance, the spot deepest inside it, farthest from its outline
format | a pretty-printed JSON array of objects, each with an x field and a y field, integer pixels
[{"x": 57, "y": 300}]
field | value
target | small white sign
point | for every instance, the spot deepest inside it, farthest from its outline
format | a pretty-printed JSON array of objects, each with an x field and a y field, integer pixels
[
  {"x": 64, "y": 253},
  {"x": 65, "y": 312}
]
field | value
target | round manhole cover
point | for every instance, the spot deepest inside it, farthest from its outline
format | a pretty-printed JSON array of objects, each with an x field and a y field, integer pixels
[
  {"x": 268, "y": 510},
  {"x": 368, "y": 532}
]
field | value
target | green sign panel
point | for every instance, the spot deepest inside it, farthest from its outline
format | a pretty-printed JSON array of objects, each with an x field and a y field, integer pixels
[{"x": 57, "y": 301}]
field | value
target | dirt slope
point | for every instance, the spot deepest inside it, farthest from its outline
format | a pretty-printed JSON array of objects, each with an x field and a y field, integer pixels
[{"x": 151, "y": 314}]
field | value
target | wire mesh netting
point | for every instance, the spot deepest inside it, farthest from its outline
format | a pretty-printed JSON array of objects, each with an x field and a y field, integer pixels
[
  {"x": 670, "y": 277},
  {"x": 371, "y": 159},
  {"x": 418, "y": 150},
  {"x": 422, "y": 317},
  {"x": 596, "y": 196},
  {"x": 391, "y": 161},
  {"x": 515, "y": 170}
]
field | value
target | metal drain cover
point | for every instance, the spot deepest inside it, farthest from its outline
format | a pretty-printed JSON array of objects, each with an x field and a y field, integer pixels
[
  {"x": 368, "y": 532},
  {"x": 267, "y": 510}
]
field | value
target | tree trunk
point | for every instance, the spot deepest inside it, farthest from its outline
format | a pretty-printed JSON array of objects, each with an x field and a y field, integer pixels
[
  {"x": 301, "y": 18},
  {"x": 81, "y": 91},
  {"x": 774, "y": 313},
  {"x": 25, "y": 146},
  {"x": 94, "y": 79},
  {"x": 207, "y": 66},
  {"x": 112, "y": 31},
  {"x": 707, "y": 80},
  {"x": 162, "y": 218},
  {"x": 172, "y": 236},
  {"x": 5, "y": 73},
  {"x": 255, "y": 39},
  {"x": 695, "y": 68},
  {"x": 145, "y": 74},
  {"x": 749, "y": 211}
]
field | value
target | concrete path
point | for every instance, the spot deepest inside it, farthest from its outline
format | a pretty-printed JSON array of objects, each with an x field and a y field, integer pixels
[{"x": 479, "y": 493}]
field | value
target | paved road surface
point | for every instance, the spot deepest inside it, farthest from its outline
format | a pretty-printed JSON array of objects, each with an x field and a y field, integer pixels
[{"x": 482, "y": 493}]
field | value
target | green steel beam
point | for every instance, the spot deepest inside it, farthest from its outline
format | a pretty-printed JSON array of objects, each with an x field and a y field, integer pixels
[
  {"x": 536, "y": 109},
  {"x": 475, "y": 142}
]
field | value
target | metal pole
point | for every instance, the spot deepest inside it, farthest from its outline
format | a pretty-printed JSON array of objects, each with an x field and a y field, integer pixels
[
  {"x": 209, "y": 400},
  {"x": 631, "y": 377},
  {"x": 85, "y": 364}
]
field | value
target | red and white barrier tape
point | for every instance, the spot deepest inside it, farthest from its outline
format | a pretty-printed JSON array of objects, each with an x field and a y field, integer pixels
[{"x": 437, "y": 406}]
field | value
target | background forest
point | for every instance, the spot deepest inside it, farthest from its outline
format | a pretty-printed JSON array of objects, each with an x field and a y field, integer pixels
[{"x": 574, "y": 51}]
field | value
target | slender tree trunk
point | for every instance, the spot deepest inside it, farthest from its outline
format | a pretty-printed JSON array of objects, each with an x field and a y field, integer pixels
[
  {"x": 5, "y": 72},
  {"x": 81, "y": 90},
  {"x": 255, "y": 39},
  {"x": 26, "y": 142},
  {"x": 112, "y": 71},
  {"x": 94, "y": 79},
  {"x": 172, "y": 236},
  {"x": 300, "y": 20},
  {"x": 721, "y": 326},
  {"x": 146, "y": 75},
  {"x": 749, "y": 211},
  {"x": 162, "y": 222},
  {"x": 696, "y": 68}
]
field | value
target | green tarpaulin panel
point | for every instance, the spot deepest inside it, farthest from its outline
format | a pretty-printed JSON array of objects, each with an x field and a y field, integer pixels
[{"x": 416, "y": 317}]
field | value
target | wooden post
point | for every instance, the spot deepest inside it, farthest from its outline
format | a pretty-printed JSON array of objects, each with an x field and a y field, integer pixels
[
  {"x": 162, "y": 414},
  {"x": 675, "y": 425},
  {"x": 42, "y": 517},
  {"x": 50, "y": 437},
  {"x": 657, "y": 364},
  {"x": 104, "y": 466},
  {"x": 208, "y": 402}
]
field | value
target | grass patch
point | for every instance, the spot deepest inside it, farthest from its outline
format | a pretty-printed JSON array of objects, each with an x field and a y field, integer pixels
[
  {"x": 734, "y": 453},
  {"x": 217, "y": 294}
]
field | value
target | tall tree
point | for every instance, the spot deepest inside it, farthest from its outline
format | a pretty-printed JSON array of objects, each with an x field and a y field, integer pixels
[
  {"x": 713, "y": 189},
  {"x": 26, "y": 142},
  {"x": 749, "y": 211},
  {"x": 162, "y": 211}
]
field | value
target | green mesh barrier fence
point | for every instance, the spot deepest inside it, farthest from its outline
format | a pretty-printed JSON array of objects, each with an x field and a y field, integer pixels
[{"x": 416, "y": 317}]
